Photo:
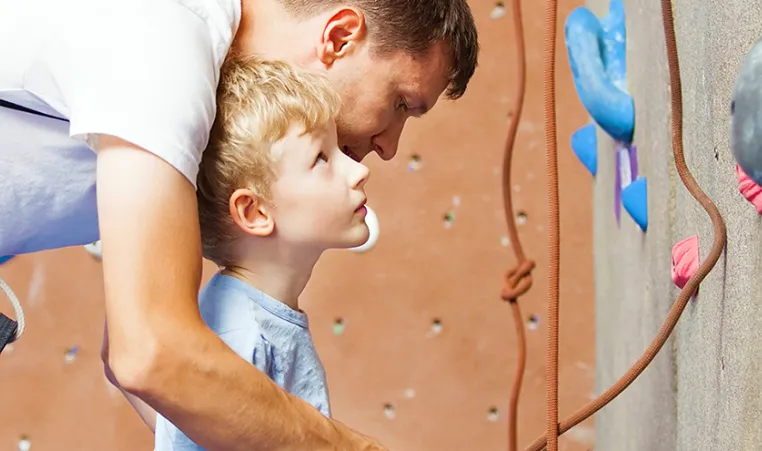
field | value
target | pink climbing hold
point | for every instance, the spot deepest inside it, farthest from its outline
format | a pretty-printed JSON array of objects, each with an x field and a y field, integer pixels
[
  {"x": 750, "y": 190},
  {"x": 685, "y": 260}
]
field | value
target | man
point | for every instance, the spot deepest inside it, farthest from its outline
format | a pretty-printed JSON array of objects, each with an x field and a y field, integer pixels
[{"x": 123, "y": 97}]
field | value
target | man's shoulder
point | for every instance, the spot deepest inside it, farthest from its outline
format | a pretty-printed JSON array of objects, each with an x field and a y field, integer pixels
[{"x": 221, "y": 16}]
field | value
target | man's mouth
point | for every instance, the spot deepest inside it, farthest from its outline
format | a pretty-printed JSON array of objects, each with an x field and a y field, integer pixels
[{"x": 348, "y": 152}]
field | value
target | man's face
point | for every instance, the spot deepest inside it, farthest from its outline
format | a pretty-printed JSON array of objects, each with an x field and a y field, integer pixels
[{"x": 380, "y": 92}]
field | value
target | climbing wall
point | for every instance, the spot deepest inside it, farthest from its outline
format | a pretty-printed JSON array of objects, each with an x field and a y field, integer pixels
[
  {"x": 419, "y": 348},
  {"x": 703, "y": 390}
]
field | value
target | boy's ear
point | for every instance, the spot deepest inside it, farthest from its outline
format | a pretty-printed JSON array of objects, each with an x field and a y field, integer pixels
[{"x": 250, "y": 213}]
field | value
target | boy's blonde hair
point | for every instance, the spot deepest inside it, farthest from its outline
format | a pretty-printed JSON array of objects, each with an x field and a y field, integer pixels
[{"x": 257, "y": 102}]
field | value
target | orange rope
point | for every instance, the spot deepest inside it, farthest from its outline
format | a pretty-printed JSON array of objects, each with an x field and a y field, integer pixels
[
  {"x": 518, "y": 280},
  {"x": 554, "y": 226}
]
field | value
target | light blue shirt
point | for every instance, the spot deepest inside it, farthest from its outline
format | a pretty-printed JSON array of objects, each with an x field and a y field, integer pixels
[{"x": 269, "y": 334}]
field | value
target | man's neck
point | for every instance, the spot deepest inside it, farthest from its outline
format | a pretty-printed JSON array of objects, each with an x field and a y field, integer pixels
[
  {"x": 281, "y": 275},
  {"x": 271, "y": 32},
  {"x": 262, "y": 30}
]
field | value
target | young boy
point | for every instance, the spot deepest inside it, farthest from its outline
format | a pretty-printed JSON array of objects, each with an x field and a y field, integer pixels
[{"x": 274, "y": 192}]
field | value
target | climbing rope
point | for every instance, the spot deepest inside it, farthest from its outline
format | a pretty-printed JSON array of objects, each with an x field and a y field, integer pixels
[
  {"x": 518, "y": 280},
  {"x": 554, "y": 225},
  {"x": 16, "y": 307}
]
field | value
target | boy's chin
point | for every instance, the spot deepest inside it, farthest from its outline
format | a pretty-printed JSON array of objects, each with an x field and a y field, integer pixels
[{"x": 358, "y": 239}]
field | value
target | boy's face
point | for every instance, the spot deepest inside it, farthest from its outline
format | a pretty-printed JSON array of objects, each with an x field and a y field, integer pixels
[{"x": 318, "y": 196}]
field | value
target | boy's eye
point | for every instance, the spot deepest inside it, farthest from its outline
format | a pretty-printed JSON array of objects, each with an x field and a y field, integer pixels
[{"x": 321, "y": 158}]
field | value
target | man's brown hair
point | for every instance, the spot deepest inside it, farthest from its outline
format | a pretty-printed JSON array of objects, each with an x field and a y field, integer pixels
[{"x": 414, "y": 26}]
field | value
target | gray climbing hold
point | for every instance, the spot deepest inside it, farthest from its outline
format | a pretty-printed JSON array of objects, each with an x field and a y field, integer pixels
[{"x": 746, "y": 115}]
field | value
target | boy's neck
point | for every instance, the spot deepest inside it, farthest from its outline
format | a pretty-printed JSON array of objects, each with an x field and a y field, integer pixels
[{"x": 281, "y": 275}]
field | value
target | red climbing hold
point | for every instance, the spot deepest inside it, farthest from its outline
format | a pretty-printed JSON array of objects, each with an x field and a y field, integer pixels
[
  {"x": 685, "y": 260},
  {"x": 750, "y": 190}
]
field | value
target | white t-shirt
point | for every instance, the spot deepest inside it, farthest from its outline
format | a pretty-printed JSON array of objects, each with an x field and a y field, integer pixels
[{"x": 145, "y": 71}]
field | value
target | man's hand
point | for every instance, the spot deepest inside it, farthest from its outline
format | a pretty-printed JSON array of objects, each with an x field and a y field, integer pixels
[{"x": 159, "y": 347}]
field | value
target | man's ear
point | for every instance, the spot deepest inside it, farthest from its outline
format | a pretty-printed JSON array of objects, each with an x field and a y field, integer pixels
[
  {"x": 343, "y": 32},
  {"x": 250, "y": 213}
]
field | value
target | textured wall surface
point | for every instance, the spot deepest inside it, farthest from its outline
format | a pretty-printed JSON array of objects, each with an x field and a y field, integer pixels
[{"x": 703, "y": 390}]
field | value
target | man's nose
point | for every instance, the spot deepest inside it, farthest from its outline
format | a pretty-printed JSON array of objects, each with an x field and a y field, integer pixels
[{"x": 388, "y": 141}]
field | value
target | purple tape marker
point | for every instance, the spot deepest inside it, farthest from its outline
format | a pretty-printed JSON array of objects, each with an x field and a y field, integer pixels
[{"x": 626, "y": 170}]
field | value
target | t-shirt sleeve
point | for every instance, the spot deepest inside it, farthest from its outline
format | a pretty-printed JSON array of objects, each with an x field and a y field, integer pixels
[
  {"x": 145, "y": 72},
  {"x": 252, "y": 346}
]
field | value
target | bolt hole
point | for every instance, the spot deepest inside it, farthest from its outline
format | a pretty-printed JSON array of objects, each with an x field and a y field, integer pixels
[
  {"x": 71, "y": 354},
  {"x": 436, "y": 326},
  {"x": 533, "y": 321},
  {"x": 24, "y": 443},
  {"x": 338, "y": 326},
  {"x": 390, "y": 411},
  {"x": 498, "y": 11},
  {"x": 493, "y": 414},
  {"x": 732, "y": 107},
  {"x": 415, "y": 162},
  {"x": 449, "y": 218},
  {"x": 521, "y": 217}
]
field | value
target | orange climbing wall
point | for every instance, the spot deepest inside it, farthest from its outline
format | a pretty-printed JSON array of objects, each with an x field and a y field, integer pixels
[{"x": 425, "y": 355}]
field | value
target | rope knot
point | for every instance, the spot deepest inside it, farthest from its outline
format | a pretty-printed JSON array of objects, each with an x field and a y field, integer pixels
[{"x": 517, "y": 281}]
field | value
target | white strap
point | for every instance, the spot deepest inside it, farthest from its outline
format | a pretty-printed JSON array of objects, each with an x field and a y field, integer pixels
[{"x": 17, "y": 307}]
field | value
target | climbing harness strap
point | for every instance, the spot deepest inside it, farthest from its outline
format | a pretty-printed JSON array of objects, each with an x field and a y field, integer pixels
[{"x": 11, "y": 330}]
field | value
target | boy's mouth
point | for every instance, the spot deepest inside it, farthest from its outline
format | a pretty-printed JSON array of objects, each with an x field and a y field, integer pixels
[{"x": 362, "y": 205}]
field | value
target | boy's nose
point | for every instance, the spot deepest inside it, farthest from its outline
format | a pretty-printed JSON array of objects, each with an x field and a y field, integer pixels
[{"x": 360, "y": 175}]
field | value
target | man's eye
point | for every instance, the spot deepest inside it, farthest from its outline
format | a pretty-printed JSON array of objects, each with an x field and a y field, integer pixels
[
  {"x": 402, "y": 105},
  {"x": 321, "y": 158}
]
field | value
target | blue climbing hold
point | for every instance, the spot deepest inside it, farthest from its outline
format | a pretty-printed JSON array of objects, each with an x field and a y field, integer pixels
[
  {"x": 584, "y": 143},
  {"x": 635, "y": 202},
  {"x": 597, "y": 54},
  {"x": 5, "y": 259}
]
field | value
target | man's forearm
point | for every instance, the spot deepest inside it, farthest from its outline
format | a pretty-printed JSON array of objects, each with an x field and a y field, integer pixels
[
  {"x": 146, "y": 412},
  {"x": 224, "y": 403},
  {"x": 159, "y": 347}
]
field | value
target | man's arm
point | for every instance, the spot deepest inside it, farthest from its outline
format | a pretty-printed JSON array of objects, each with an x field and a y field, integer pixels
[
  {"x": 146, "y": 412},
  {"x": 160, "y": 349}
]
